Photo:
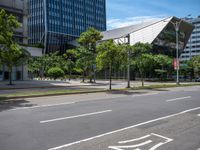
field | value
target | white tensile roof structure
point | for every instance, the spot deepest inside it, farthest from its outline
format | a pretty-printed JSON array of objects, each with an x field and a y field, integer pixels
[{"x": 151, "y": 32}]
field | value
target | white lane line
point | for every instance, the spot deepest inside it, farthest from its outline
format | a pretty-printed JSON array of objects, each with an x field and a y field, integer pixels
[
  {"x": 128, "y": 141},
  {"x": 177, "y": 99},
  {"x": 198, "y": 115},
  {"x": 77, "y": 116},
  {"x": 123, "y": 129},
  {"x": 40, "y": 106}
]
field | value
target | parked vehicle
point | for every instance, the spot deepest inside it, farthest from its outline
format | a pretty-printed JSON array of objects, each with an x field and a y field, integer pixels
[{"x": 197, "y": 79}]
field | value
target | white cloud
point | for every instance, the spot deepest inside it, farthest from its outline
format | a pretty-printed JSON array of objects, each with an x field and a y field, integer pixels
[{"x": 117, "y": 23}]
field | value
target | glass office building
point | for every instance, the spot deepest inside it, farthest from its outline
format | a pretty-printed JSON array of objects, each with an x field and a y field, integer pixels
[
  {"x": 56, "y": 23},
  {"x": 193, "y": 46}
]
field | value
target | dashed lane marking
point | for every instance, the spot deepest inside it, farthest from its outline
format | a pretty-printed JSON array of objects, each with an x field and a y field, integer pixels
[
  {"x": 178, "y": 99},
  {"x": 77, "y": 116}
]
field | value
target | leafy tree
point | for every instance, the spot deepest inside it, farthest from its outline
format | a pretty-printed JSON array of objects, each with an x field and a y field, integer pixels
[
  {"x": 142, "y": 58},
  {"x": 144, "y": 64},
  {"x": 11, "y": 53},
  {"x": 108, "y": 56},
  {"x": 88, "y": 41},
  {"x": 195, "y": 62},
  {"x": 84, "y": 62},
  {"x": 56, "y": 73},
  {"x": 164, "y": 63},
  {"x": 41, "y": 65},
  {"x": 71, "y": 57}
]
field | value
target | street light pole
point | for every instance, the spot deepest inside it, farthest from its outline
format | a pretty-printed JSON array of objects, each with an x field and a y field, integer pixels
[
  {"x": 177, "y": 27},
  {"x": 128, "y": 63}
]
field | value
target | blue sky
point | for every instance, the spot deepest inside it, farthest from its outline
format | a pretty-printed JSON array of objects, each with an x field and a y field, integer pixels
[{"x": 126, "y": 12}]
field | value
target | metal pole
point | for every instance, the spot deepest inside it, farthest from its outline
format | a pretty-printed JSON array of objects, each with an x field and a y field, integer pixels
[
  {"x": 128, "y": 66},
  {"x": 45, "y": 26},
  {"x": 177, "y": 53}
]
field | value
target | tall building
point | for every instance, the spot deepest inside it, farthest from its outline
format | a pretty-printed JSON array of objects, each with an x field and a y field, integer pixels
[
  {"x": 18, "y": 8},
  {"x": 56, "y": 23},
  {"x": 193, "y": 46}
]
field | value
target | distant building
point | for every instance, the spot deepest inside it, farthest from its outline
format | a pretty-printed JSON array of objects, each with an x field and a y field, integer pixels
[
  {"x": 159, "y": 33},
  {"x": 56, "y": 23},
  {"x": 18, "y": 8},
  {"x": 193, "y": 46}
]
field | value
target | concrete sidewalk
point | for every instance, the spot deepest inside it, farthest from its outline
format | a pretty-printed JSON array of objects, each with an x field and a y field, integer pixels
[{"x": 102, "y": 84}]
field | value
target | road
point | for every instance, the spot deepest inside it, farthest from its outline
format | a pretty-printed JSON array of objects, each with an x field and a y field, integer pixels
[{"x": 163, "y": 120}]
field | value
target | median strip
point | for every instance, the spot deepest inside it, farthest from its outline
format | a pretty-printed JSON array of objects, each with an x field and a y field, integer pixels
[
  {"x": 77, "y": 116},
  {"x": 177, "y": 99}
]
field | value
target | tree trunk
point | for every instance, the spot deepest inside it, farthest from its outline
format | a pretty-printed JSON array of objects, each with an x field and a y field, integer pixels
[
  {"x": 70, "y": 73},
  {"x": 142, "y": 81},
  {"x": 110, "y": 77},
  {"x": 10, "y": 75},
  {"x": 142, "y": 76},
  {"x": 162, "y": 74},
  {"x": 83, "y": 79},
  {"x": 90, "y": 79}
]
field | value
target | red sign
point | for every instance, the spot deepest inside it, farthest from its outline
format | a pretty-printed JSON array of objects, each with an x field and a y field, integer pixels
[{"x": 176, "y": 64}]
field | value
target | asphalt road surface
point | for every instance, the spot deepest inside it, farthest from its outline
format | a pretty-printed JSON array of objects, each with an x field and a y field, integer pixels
[{"x": 160, "y": 120}]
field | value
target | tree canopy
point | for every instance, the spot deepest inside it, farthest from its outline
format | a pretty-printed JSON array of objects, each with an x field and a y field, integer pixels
[{"x": 11, "y": 54}]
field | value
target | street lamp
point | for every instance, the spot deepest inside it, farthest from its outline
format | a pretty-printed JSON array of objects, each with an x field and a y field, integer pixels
[
  {"x": 128, "y": 64},
  {"x": 176, "y": 25}
]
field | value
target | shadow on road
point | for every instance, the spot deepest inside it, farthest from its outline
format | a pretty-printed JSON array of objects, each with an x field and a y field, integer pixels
[
  {"x": 125, "y": 92},
  {"x": 13, "y": 104}
]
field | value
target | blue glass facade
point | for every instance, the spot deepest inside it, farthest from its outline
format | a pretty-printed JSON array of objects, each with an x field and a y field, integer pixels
[{"x": 57, "y": 22}]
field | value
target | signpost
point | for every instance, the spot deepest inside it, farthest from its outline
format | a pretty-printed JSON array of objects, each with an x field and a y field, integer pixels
[{"x": 176, "y": 64}]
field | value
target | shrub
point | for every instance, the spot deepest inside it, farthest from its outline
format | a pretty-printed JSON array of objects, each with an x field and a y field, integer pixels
[{"x": 55, "y": 73}]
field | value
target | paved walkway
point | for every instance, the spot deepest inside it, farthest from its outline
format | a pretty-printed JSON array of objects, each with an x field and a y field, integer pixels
[
  {"x": 73, "y": 83},
  {"x": 45, "y": 86}
]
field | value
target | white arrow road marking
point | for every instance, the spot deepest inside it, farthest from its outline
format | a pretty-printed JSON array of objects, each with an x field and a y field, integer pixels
[
  {"x": 133, "y": 140},
  {"x": 123, "y": 129},
  {"x": 177, "y": 99},
  {"x": 130, "y": 146},
  {"x": 162, "y": 143},
  {"x": 78, "y": 116},
  {"x": 122, "y": 147}
]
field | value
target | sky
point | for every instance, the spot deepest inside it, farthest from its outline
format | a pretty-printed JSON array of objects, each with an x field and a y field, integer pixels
[{"x": 122, "y": 13}]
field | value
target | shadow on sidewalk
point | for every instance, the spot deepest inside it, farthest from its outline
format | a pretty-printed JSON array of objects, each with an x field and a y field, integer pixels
[{"x": 125, "y": 92}]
